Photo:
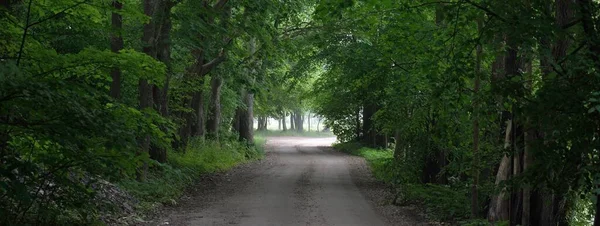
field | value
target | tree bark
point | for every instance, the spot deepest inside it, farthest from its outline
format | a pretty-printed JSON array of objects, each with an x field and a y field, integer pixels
[
  {"x": 116, "y": 45},
  {"x": 247, "y": 119},
  {"x": 292, "y": 121},
  {"x": 283, "y": 122},
  {"x": 398, "y": 150},
  {"x": 235, "y": 124},
  {"x": 197, "y": 117},
  {"x": 499, "y": 204},
  {"x": 214, "y": 116},
  {"x": 367, "y": 125},
  {"x": 299, "y": 121},
  {"x": 475, "y": 165},
  {"x": 319, "y": 123},
  {"x": 145, "y": 89},
  {"x": 308, "y": 118},
  {"x": 163, "y": 54}
]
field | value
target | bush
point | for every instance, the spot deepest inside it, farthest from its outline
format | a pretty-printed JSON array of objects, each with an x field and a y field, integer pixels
[
  {"x": 441, "y": 202},
  {"x": 165, "y": 183}
]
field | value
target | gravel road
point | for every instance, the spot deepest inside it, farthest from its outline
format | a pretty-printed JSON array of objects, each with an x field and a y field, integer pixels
[{"x": 300, "y": 182}]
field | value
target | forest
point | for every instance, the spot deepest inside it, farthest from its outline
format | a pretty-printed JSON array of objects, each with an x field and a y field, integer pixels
[{"x": 479, "y": 112}]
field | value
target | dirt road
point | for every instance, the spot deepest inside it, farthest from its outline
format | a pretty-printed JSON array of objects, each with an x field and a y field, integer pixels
[{"x": 301, "y": 182}]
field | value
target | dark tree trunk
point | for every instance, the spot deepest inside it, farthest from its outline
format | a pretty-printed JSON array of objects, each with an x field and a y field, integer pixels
[
  {"x": 116, "y": 44},
  {"x": 299, "y": 121},
  {"x": 163, "y": 54},
  {"x": 247, "y": 119},
  {"x": 214, "y": 116},
  {"x": 197, "y": 117},
  {"x": 265, "y": 122},
  {"x": 262, "y": 124},
  {"x": 145, "y": 89},
  {"x": 292, "y": 121},
  {"x": 319, "y": 123},
  {"x": 475, "y": 164},
  {"x": 235, "y": 124},
  {"x": 367, "y": 125}
]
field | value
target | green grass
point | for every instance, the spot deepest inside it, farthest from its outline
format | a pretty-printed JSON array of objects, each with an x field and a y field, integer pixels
[
  {"x": 291, "y": 133},
  {"x": 440, "y": 202},
  {"x": 165, "y": 183}
]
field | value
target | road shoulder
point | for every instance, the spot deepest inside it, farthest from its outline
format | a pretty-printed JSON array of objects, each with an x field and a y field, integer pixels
[{"x": 379, "y": 195}]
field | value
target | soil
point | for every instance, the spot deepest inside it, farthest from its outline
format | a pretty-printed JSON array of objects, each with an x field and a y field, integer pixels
[{"x": 301, "y": 181}]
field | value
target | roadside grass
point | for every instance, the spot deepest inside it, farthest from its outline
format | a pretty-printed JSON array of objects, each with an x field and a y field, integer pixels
[
  {"x": 166, "y": 183},
  {"x": 440, "y": 202},
  {"x": 291, "y": 133}
]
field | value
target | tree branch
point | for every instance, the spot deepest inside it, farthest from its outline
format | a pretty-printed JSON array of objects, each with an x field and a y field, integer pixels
[
  {"x": 56, "y": 14},
  {"x": 488, "y": 11},
  {"x": 24, "y": 33},
  {"x": 570, "y": 24},
  {"x": 220, "y": 4}
]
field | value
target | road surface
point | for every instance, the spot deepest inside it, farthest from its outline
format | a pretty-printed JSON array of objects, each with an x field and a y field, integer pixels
[{"x": 301, "y": 182}]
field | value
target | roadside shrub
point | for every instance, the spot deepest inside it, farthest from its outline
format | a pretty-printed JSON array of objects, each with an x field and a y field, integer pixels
[{"x": 165, "y": 183}]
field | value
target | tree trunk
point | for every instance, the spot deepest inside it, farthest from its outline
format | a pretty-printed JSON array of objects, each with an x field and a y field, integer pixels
[
  {"x": 299, "y": 121},
  {"x": 292, "y": 121},
  {"x": 163, "y": 54},
  {"x": 145, "y": 89},
  {"x": 398, "y": 153},
  {"x": 283, "y": 122},
  {"x": 235, "y": 124},
  {"x": 198, "y": 119},
  {"x": 308, "y": 122},
  {"x": 261, "y": 123},
  {"x": 247, "y": 119},
  {"x": 475, "y": 165},
  {"x": 319, "y": 123},
  {"x": 116, "y": 44},
  {"x": 214, "y": 117},
  {"x": 499, "y": 204},
  {"x": 367, "y": 125}
]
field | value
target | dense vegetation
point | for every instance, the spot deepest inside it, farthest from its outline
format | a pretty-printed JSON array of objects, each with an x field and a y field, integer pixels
[
  {"x": 137, "y": 95},
  {"x": 484, "y": 110},
  {"x": 491, "y": 105}
]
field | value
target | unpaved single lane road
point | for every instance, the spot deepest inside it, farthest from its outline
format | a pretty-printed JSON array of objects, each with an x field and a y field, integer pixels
[{"x": 300, "y": 182}]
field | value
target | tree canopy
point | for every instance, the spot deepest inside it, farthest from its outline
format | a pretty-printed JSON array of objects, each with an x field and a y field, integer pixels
[{"x": 496, "y": 101}]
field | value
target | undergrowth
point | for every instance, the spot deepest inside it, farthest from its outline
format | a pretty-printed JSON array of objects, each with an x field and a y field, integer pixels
[
  {"x": 440, "y": 202},
  {"x": 165, "y": 183}
]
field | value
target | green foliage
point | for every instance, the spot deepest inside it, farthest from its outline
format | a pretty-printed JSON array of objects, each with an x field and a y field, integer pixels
[
  {"x": 166, "y": 182},
  {"x": 441, "y": 203},
  {"x": 417, "y": 63}
]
